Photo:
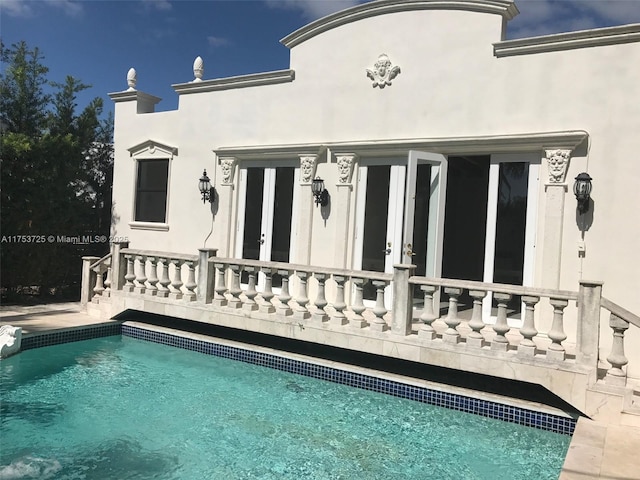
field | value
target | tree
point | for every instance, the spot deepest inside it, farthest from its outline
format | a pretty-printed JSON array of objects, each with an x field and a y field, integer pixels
[{"x": 55, "y": 165}]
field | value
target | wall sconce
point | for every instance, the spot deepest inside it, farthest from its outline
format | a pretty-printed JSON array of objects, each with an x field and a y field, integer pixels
[
  {"x": 206, "y": 190},
  {"x": 319, "y": 192},
  {"x": 582, "y": 191}
]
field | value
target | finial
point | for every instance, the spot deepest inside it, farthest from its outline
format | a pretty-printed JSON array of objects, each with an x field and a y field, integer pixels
[
  {"x": 198, "y": 69},
  {"x": 132, "y": 79}
]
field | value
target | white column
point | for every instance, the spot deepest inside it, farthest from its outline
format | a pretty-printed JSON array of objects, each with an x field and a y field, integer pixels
[
  {"x": 224, "y": 217},
  {"x": 346, "y": 164},
  {"x": 305, "y": 218}
]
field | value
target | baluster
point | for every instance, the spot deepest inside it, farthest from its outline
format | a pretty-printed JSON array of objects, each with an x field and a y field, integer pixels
[
  {"x": 284, "y": 297},
  {"x": 153, "y": 276},
  {"x": 378, "y": 324},
  {"x": 319, "y": 315},
  {"x": 501, "y": 327},
  {"x": 219, "y": 300},
  {"x": 250, "y": 294},
  {"x": 451, "y": 335},
  {"x": 338, "y": 317},
  {"x": 267, "y": 293},
  {"x": 300, "y": 311},
  {"x": 164, "y": 282},
  {"x": 176, "y": 283},
  {"x": 141, "y": 277},
  {"x": 556, "y": 334},
  {"x": 528, "y": 330},
  {"x": 475, "y": 338},
  {"x": 130, "y": 276},
  {"x": 107, "y": 283},
  {"x": 99, "y": 288},
  {"x": 428, "y": 316},
  {"x": 235, "y": 289},
  {"x": 357, "y": 306},
  {"x": 191, "y": 284},
  {"x": 617, "y": 359}
]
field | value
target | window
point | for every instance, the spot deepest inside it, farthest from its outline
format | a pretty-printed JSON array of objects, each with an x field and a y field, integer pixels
[{"x": 151, "y": 190}]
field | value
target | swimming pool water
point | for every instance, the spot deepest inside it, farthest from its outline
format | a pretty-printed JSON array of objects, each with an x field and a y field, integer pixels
[{"x": 121, "y": 408}]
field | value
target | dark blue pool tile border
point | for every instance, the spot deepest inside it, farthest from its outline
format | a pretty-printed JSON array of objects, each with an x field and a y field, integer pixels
[
  {"x": 72, "y": 335},
  {"x": 486, "y": 408}
]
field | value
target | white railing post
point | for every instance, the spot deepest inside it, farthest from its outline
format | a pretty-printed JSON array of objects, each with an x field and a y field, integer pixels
[
  {"x": 588, "y": 334},
  {"x": 357, "y": 305},
  {"x": 235, "y": 290},
  {"x": 99, "y": 288},
  {"x": 130, "y": 276},
  {"x": 378, "y": 324},
  {"x": 319, "y": 315},
  {"x": 206, "y": 275},
  {"x": 451, "y": 335},
  {"x": 219, "y": 300},
  {"x": 616, "y": 375},
  {"x": 176, "y": 283},
  {"x": 152, "y": 290},
  {"x": 527, "y": 346},
  {"x": 118, "y": 265},
  {"x": 300, "y": 312},
  {"x": 475, "y": 338},
  {"x": 267, "y": 292},
  {"x": 402, "y": 299},
  {"x": 107, "y": 281},
  {"x": 190, "y": 285},
  {"x": 501, "y": 327},
  {"x": 338, "y": 305},
  {"x": 250, "y": 294},
  {"x": 284, "y": 297},
  {"x": 428, "y": 316},
  {"x": 141, "y": 277},
  {"x": 556, "y": 334},
  {"x": 88, "y": 280},
  {"x": 164, "y": 282}
]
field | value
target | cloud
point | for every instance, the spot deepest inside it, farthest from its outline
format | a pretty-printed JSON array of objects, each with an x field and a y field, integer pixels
[
  {"x": 25, "y": 8},
  {"x": 542, "y": 17},
  {"x": 16, "y": 8},
  {"x": 217, "y": 41},
  {"x": 162, "y": 5},
  {"x": 70, "y": 7},
  {"x": 313, "y": 9}
]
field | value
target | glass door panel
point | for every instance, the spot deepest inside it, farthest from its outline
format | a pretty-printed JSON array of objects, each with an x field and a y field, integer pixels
[{"x": 253, "y": 214}]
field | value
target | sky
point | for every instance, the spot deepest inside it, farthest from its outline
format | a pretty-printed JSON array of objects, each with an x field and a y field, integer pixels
[{"x": 97, "y": 41}]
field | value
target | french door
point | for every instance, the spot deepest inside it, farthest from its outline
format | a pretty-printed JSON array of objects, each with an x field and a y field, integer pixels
[
  {"x": 468, "y": 218},
  {"x": 266, "y": 217}
]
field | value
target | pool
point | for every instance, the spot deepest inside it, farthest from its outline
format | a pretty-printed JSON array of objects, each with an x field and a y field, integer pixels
[{"x": 123, "y": 408}]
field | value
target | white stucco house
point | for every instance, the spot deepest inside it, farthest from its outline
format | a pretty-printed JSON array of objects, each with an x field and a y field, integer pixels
[{"x": 439, "y": 143}]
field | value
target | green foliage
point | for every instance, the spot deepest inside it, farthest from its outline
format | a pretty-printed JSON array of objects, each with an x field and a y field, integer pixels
[{"x": 57, "y": 168}]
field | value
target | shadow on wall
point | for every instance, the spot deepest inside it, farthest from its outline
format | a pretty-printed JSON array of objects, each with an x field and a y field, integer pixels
[{"x": 584, "y": 220}]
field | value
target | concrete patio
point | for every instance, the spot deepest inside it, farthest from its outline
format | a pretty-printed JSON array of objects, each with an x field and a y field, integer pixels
[{"x": 597, "y": 450}]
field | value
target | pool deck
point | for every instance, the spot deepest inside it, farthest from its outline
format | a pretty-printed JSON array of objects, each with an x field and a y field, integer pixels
[{"x": 597, "y": 450}]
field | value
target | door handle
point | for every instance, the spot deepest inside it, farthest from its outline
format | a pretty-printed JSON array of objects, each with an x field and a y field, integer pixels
[
  {"x": 261, "y": 241},
  {"x": 387, "y": 250},
  {"x": 409, "y": 251}
]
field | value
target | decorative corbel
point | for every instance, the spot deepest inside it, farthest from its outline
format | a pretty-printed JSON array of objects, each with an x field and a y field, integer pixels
[
  {"x": 307, "y": 168},
  {"x": 228, "y": 165},
  {"x": 557, "y": 163},
  {"x": 345, "y": 163}
]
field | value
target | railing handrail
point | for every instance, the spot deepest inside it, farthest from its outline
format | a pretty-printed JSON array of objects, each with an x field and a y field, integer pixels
[
  {"x": 495, "y": 287},
  {"x": 100, "y": 260},
  {"x": 367, "y": 274},
  {"x": 153, "y": 253},
  {"x": 620, "y": 312}
]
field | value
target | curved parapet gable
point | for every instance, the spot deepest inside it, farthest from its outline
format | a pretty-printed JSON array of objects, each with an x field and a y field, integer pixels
[{"x": 505, "y": 8}]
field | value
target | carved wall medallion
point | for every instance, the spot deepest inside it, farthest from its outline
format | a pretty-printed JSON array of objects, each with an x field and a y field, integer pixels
[
  {"x": 383, "y": 72},
  {"x": 557, "y": 162},
  {"x": 227, "y": 165},
  {"x": 307, "y": 167},
  {"x": 345, "y": 167}
]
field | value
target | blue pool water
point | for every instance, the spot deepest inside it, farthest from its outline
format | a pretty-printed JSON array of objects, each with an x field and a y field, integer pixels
[{"x": 121, "y": 408}]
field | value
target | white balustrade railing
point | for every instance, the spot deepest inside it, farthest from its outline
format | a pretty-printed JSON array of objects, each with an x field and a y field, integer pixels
[{"x": 319, "y": 295}]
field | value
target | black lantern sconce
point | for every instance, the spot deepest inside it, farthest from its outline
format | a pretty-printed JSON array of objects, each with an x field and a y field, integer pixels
[
  {"x": 582, "y": 191},
  {"x": 206, "y": 190},
  {"x": 319, "y": 192}
]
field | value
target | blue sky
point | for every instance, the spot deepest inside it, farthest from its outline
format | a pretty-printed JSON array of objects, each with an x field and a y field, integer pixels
[{"x": 98, "y": 41}]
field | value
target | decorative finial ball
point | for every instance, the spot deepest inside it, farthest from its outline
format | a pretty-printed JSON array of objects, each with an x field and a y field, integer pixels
[
  {"x": 198, "y": 69},
  {"x": 132, "y": 78}
]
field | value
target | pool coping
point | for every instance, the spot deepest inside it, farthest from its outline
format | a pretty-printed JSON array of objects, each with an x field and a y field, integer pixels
[{"x": 531, "y": 414}]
